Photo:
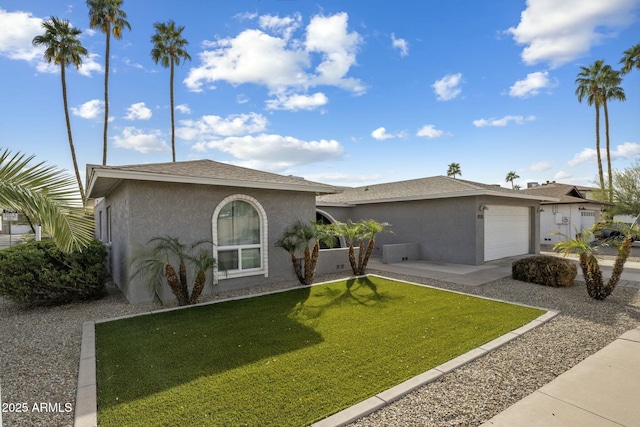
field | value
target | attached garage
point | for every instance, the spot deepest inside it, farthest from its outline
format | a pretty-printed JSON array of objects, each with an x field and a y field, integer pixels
[{"x": 507, "y": 231}]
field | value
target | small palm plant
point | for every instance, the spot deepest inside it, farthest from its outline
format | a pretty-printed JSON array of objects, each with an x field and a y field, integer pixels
[
  {"x": 587, "y": 252},
  {"x": 363, "y": 233},
  {"x": 305, "y": 237},
  {"x": 156, "y": 261}
]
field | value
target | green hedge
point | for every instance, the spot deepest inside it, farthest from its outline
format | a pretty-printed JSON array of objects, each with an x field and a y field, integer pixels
[{"x": 38, "y": 273}]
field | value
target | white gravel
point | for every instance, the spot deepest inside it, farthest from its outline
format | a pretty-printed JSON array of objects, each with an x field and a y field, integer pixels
[{"x": 40, "y": 349}]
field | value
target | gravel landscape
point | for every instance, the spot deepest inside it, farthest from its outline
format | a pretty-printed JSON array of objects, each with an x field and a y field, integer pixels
[{"x": 40, "y": 349}]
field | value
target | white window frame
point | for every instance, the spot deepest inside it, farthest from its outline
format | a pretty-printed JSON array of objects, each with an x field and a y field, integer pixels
[{"x": 263, "y": 246}]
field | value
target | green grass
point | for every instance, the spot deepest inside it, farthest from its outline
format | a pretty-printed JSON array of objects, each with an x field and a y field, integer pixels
[{"x": 286, "y": 359}]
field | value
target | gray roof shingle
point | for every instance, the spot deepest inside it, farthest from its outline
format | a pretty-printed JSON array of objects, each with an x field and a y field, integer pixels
[
  {"x": 101, "y": 179},
  {"x": 416, "y": 189}
]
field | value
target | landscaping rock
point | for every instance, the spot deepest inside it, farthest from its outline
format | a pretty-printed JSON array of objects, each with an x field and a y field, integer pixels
[{"x": 545, "y": 270}]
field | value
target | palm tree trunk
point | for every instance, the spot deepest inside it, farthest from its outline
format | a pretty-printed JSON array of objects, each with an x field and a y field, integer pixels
[
  {"x": 296, "y": 268},
  {"x": 367, "y": 255},
  {"x": 618, "y": 265},
  {"x": 315, "y": 254},
  {"x": 106, "y": 96},
  {"x": 174, "y": 284},
  {"x": 184, "y": 285},
  {"x": 198, "y": 286},
  {"x": 360, "y": 256},
  {"x": 352, "y": 259},
  {"x": 606, "y": 126},
  {"x": 66, "y": 115},
  {"x": 308, "y": 276},
  {"x": 173, "y": 127},
  {"x": 599, "y": 156}
]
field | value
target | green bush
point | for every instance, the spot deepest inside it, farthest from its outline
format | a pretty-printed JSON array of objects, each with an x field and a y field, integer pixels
[
  {"x": 545, "y": 270},
  {"x": 38, "y": 273}
]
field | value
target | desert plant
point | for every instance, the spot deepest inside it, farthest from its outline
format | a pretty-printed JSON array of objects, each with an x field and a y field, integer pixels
[
  {"x": 363, "y": 234},
  {"x": 587, "y": 252},
  {"x": 305, "y": 237},
  {"x": 155, "y": 262},
  {"x": 39, "y": 273},
  {"x": 545, "y": 270}
]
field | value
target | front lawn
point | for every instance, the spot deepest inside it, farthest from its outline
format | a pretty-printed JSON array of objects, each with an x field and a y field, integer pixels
[{"x": 285, "y": 359}]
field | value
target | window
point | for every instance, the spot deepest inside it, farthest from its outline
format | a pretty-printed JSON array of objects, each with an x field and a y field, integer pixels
[
  {"x": 239, "y": 234},
  {"x": 108, "y": 224}
]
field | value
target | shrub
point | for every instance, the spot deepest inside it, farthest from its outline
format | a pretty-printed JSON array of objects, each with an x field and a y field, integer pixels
[
  {"x": 545, "y": 270},
  {"x": 38, "y": 273}
]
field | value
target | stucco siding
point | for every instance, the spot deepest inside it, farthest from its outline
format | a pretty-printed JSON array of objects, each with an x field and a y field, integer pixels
[{"x": 186, "y": 211}]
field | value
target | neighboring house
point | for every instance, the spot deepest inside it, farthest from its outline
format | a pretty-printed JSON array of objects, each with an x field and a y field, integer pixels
[
  {"x": 243, "y": 211},
  {"x": 572, "y": 212},
  {"x": 443, "y": 219}
]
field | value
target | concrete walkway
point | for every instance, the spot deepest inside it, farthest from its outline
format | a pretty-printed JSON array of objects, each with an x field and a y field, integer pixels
[{"x": 600, "y": 391}]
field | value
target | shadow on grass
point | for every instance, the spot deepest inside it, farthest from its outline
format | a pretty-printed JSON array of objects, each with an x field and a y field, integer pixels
[
  {"x": 141, "y": 356},
  {"x": 360, "y": 291}
]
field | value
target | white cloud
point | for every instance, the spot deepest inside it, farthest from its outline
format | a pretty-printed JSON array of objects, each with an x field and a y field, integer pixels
[
  {"x": 18, "y": 30},
  {"x": 272, "y": 57},
  {"x": 557, "y": 32},
  {"x": 183, "y": 108},
  {"x": 624, "y": 151},
  {"x": 89, "y": 65},
  {"x": 540, "y": 166},
  {"x": 212, "y": 127},
  {"x": 381, "y": 134},
  {"x": 274, "y": 152},
  {"x": 298, "y": 102},
  {"x": 430, "y": 132},
  {"x": 448, "y": 87},
  {"x": 89, "y": 110},
  {"x": 561, "y": 175},
  {"x": 531, "y": 85},
  {"x": 400, "y": 44},
  {"x": 138, "y": 111},
  {"x": 144, "y": 142},
  {"x": 503, "y": 121}
]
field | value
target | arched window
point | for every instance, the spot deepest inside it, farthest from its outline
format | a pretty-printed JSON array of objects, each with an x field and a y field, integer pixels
[{"x": 240, "y": 236}]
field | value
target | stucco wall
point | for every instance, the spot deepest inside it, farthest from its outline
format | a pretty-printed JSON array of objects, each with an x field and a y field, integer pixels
[
  {"x": 448, "y": 230},
  {"x": 144, "y": 210}
]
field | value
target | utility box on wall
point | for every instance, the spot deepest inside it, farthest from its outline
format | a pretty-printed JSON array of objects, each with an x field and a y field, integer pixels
[{"x": 559, "y": 219}]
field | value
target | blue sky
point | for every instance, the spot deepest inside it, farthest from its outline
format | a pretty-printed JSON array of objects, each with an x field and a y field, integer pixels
[{"x": 347, "y": 93}]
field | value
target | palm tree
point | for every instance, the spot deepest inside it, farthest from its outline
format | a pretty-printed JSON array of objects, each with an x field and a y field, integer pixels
[
  {"x": 169, "y": 50},
  {"x": 588, "y": 82},
  {"x": 62, "y": 47},
  {"x": 587, "y": 255},
  {"x": 369, "y": 229},
  {"x": 631, "y": 59},
  {"x": 156, "y": 260},
  {"x": 110, "y": 19},
  {"x": 351, "y": 233},
  {"x": 48, "y": 197},
  {"x": 609, "y": 88},
  {"x": 511, "y": 176},
  {"x": 454, "y": 169},
  {"x": 305, "y": 237}
]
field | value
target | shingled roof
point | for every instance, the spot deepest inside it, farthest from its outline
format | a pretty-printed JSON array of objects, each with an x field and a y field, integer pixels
[
  {"x": 565, "y": 193},
  {"x": 102, "y": 179},
  {"x": 435, "y": 187}
]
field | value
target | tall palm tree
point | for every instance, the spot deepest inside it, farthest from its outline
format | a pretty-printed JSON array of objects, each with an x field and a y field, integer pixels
[
  {"x": 48, "y": 197},
  {"x": 62, "y": 47},
  {"x": 454, "y": 169},
  {"x": 511, "y": 176},
  {"x": 169, "y": 50},
  {"x": 631, "y": 59},
  {"x": 610, "y": 90},
  {"x": 110, "y": 19},
  {"x": 588, "y": 83}
]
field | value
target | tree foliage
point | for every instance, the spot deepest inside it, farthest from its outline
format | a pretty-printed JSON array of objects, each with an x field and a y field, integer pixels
[
  {"x": 48, "y": 197},
  {"x": 626, "y": 190},
  {"x": 454, "y": 169},
  {"x": 156, "y": 262}
]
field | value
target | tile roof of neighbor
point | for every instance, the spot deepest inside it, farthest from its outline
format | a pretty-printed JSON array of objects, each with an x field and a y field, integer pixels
[
  {"x": 418, "y": 189},
  {"x": 567, "y": 193},
  {"x": 102, "y": 179}
]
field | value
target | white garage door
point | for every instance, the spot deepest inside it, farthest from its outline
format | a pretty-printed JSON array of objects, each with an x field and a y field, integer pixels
[{"x": 506, "y": 231}]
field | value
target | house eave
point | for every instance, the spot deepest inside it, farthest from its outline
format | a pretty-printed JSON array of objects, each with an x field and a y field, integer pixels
[
  {"x": 111, "y": 178},
  {"x": 440, "y": 196}
]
